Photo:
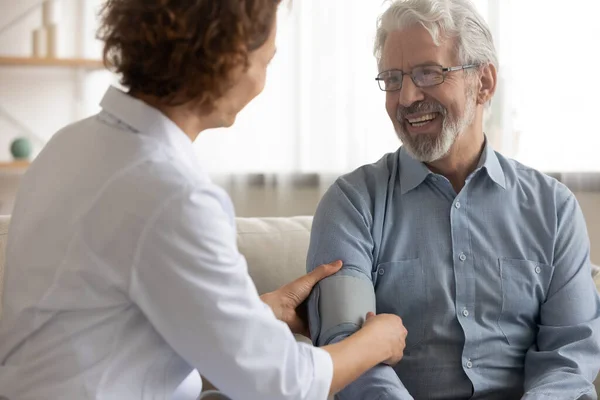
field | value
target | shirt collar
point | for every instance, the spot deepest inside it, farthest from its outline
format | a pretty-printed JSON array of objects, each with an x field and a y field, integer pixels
[
  {"x": 147, "y": 120},
  {"x": 489, "y": 161},
  {"x": 414, "y": 172}
]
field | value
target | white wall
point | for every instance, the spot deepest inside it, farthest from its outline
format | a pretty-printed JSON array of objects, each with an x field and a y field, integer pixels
[{"x": 46, "y": 99}]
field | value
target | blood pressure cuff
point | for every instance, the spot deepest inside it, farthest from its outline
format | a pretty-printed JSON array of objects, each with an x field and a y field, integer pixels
[{"x": 338, "y": 305}]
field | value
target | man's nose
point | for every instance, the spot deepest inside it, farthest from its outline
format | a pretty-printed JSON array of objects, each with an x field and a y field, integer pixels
[{"x": 409, "y": 93}]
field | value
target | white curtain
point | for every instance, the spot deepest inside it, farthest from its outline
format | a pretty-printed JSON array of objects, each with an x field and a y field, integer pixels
[
  {"x": 321, "y": 111},
  {"x": 544, "y": 111}
]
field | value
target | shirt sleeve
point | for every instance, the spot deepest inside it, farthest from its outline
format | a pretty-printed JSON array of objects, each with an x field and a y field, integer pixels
[
  {"x": 193, "y": 285},
  {"x": 566, "y": 359},
  {"x": 341, "y": 230}
]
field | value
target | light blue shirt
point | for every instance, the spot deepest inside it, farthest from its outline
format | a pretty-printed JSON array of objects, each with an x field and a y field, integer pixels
[{"x": 493, "y": 284}]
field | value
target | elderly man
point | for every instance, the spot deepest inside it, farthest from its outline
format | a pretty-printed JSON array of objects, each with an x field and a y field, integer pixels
[{"x": 485, "y": 259}]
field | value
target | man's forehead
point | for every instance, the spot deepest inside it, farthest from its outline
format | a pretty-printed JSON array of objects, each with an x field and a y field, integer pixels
[{"x": 414, "y": 46}]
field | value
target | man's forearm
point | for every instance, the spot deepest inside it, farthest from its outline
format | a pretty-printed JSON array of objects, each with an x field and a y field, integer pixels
[
  {"x": 566, "y": 369},
  {"x": 378, "y": 383},
  {"x": 561, "y": 386},
  {"x": 566, "y": 358},
  {"x": 351, "y": 358},
  {"x": 558, "y": 384}
]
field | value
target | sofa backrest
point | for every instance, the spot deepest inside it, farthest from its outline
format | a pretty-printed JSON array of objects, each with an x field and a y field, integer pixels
[{"x": 274, "y": 248}]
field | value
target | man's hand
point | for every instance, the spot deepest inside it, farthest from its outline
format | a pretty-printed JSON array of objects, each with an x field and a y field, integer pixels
[{"x": 287, "y": 302}]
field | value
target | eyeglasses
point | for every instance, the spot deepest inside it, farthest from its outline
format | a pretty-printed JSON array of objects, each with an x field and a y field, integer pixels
[{"x": 424, "y": 76}]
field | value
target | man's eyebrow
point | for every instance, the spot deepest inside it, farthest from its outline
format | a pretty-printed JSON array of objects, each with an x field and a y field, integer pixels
[
  {"x": 426, "y": 64},
  {"x": 421, "y": 64}
]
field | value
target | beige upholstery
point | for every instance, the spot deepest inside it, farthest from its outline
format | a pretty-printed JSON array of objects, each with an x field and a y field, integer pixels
[{"x": 275, "y": 249}]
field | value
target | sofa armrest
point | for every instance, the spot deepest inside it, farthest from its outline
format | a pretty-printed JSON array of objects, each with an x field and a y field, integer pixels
[{"x": 596, "y": 275}]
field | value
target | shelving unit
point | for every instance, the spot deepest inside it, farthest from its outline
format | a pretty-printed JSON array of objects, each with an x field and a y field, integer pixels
[
  {"x": 14, "y": 165},
  {"x": 46, "y": 56},
  {"x": 51, "y": 62},
  {"x": 77, "y": 64}
]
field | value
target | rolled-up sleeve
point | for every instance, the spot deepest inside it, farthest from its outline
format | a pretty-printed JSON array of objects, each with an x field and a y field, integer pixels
[
  {"x": 566, "y": 359},
  {"x": 193, "y": 285}
]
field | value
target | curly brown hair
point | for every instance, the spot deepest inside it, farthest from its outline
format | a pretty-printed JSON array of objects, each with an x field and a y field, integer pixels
[{"x": 183, "y": 50}]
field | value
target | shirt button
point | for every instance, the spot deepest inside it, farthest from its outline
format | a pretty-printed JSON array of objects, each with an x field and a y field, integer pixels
[
  {"x": 538, "y": 270},
  {"x": 466, "y": 312},
  {"x": 381, "y": 271},
  {"x": 469, "y": 364},
  {"x": 462, "y": 257},
  {"x": 457, "y": 205}
]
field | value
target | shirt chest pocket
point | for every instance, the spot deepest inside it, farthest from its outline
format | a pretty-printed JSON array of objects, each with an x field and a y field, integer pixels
[
  {"x": 401, "y": 290},
  {"x": 524, "y": 288}
]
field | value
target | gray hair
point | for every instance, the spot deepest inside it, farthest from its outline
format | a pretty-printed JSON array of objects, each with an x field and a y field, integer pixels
[{"x": 443, "y": 19}]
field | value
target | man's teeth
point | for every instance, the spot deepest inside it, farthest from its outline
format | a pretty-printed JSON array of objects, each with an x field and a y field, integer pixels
[
  {"x": 422, "y": 120},
  {"x": 420, "y": 124}
]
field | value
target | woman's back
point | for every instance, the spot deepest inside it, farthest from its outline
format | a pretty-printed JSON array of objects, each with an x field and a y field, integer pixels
[{"x": 69, "y": 324}]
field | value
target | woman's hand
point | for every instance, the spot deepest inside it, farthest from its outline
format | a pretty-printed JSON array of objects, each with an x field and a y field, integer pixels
[
  {"x": 287, "y": 302},
  {"x": 380, "y": 340},
  {"x": 388, "y": 328}
]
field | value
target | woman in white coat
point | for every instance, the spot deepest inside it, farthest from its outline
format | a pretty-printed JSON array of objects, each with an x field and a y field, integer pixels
[{"x": 122, "y": 272}]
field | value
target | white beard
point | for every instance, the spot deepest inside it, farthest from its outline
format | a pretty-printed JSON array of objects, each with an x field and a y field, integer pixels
[{"x": 427, "y": 148}]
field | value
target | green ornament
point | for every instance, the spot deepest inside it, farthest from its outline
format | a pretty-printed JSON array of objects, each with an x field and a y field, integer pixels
[{"x": 20, "y": 148}]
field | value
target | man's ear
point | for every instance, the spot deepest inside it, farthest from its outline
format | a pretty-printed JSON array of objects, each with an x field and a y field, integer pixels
[{"x": 488, "y": 82}]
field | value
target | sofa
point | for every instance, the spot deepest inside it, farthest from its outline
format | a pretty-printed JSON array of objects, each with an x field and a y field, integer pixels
[{"x": 275, "y": 249}]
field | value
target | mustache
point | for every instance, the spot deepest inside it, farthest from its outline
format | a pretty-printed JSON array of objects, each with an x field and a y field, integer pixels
[{"x": 420, "y": 107}]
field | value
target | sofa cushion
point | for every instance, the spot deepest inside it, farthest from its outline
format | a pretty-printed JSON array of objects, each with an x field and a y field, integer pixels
[{"x": 275, "y": 249}]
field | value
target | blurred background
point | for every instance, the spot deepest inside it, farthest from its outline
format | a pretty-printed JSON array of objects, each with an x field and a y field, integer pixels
[{"x": 321, "y": 114}]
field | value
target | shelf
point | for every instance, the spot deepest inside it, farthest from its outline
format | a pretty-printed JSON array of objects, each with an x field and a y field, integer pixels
[
  {"x": 14, "y": 165},
  {"x": 51, "y": 62}
]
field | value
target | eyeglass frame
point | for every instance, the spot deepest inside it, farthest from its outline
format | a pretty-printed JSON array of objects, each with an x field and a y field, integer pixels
[{"x": 445, "y": 71}]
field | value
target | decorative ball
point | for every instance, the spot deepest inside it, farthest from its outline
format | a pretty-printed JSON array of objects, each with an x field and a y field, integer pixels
[
  {"x": 213, "y": 395},
  {"x": 20, "y": 148}
]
